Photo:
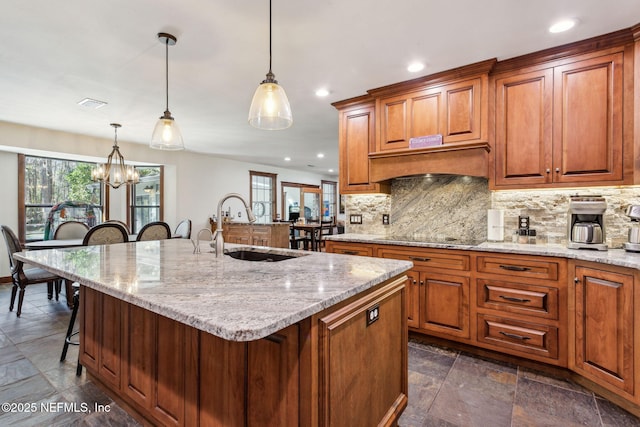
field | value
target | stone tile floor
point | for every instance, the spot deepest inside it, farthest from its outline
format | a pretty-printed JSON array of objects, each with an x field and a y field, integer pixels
[{"x": 446, "y": 388}]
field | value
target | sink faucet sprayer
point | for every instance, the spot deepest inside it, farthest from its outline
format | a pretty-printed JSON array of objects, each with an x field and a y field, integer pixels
[{"x": 218, "y": 237}]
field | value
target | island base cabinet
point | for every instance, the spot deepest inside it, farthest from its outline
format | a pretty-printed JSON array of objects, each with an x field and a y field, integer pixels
[
  {"x": 345, "y": 366},
  {"x": 363, "y": 360},
  {"x": 603, "y": 326}
]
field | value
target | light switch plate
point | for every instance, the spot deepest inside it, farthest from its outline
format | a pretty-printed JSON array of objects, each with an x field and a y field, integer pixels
[
  {"x": 385, "y": 219},
  {"x": 355, "y": 219}
]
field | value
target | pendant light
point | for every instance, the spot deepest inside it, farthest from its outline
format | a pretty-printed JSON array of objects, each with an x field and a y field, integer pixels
[
  {"x": 270, "y": 109},
  {"x": 115, "y": 172},
  {"x": 166, "y": 135}
]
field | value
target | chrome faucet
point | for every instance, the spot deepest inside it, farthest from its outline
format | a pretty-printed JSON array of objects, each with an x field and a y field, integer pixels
[{"x": 218, "y": 237}]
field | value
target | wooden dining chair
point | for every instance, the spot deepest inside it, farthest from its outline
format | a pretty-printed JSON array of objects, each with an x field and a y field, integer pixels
[
  {"x": 23, "y": 275},
  {"x": 156, "y": 230},
  {"x": 71, "y": 230},
  {"x": 105, "y": 234}
]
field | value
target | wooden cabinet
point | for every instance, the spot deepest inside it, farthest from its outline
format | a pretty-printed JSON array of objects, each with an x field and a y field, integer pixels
[
  {"x": 354, "y": 338},
  {"x": 356, "y": 133},
  {"x": 349, "y": 248},
  {"x": 438, "y": 296},
  {"x": 453, "y": 110},
  {"x": 275, "y": 235},
  {"x": 603, "y": 304},
  {"x": 520, "y": 306},
  {"x": 346, "y": 365},
  {"x": 562, "y": 123}
]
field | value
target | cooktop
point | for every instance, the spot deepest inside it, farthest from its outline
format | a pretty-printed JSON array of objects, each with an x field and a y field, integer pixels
[{"x": 424, "y": 239}]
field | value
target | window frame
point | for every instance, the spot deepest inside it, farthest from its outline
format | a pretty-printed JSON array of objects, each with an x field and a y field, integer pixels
[
  {"x": 274, "y": 191},
  {"x": 131, "y": 194},
  {"x": 22, "y": 205},
  {"x": 333, "y": 204}
]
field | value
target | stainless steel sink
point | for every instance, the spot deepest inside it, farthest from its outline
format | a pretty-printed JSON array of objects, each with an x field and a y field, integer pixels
[{"x": 249, "y": 255}]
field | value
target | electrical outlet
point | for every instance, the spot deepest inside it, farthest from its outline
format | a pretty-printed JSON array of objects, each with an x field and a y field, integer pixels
[
  {"x": 355, "y": 219},
  {"x": 373, "y": 314},
  {"x": 385, "y": 219}
]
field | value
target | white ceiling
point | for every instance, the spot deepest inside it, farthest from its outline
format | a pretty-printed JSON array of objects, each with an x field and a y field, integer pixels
[{"x": 55, "y": 53}]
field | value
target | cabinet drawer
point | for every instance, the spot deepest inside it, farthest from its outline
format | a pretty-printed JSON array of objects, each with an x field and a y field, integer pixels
[
  {"x": 518, "y": 267},
  {"x": 540, "y": 301},
  {"x": 349, "y": 249},
  {"x": 428, "y": 259},
  {"x": 523, "y": 337}
]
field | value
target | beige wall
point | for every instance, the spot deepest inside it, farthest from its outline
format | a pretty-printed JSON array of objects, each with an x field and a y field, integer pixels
[{"x": 194, "y": 182}]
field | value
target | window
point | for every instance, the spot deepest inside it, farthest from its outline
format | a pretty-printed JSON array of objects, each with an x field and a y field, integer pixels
[
  {"x": 145, "y": 198},
  {"x": 329, "y": 200},
  {"x": 55, "y": 190},
  {"x": 263, "y": 196}
]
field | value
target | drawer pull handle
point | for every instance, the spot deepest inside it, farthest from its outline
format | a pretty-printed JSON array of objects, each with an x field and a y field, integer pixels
[
  {"x": 350, "y": 252},
  {"x": 514, "y": 268},
  {"x": 514, "y": 299},
  {"x": 419, "y": 258},
  {"x": 514, "y": 336}
]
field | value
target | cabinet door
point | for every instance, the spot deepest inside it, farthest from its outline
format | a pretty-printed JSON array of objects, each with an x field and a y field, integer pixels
[
  {"x": 523, "y": 128},
  {"x": 444, "y": 304},
  {"x": 604, "y": 326},
  {"x": 462, "y": 116},
  {"x": 356, "y": 139},
  {"x": 587, "y": 122},
  {"x": 413, "y": 299}
]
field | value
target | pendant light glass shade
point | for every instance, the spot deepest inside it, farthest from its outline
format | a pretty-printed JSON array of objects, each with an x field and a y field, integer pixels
[
  {"x": 166, "y": 135},
  {"x": 270, "y": 109},
  {"x": 115, "y": 172}
]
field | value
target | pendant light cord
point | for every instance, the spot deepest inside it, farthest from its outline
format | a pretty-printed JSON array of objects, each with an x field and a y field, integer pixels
[
  {"x": 270, "y": 72},
  {"x": 166, "y": 63}
]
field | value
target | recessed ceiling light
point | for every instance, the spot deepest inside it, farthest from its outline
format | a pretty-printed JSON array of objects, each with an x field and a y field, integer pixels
[
  {"x": 322, "y": 92},
  {"x": 91, "y": 103},
  {"x": 561, "y": 26},
  {"x": 320, "y": 155},
  {"x": 287, "y": 159},
  {"x": 330, "y": 170},
  {"x": 414, "y": 67}
]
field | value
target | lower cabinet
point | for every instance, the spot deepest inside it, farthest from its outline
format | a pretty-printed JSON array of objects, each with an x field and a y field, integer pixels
[
  {"x": 275, "y": 235},
  {"x": 344, "y": 366},
  {"x": 603, "y": 325}
]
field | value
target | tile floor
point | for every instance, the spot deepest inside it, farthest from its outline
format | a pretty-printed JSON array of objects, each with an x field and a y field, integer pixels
[{"x": 446, "y": 388}]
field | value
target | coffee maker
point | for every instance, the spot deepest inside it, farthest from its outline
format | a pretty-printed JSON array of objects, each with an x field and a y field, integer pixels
[
  {"x": 633, "y": 245},
  {"x": 585, "y": 227}
]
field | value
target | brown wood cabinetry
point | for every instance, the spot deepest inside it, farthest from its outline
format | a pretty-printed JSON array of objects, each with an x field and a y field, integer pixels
[
  {"x": 520, "y": 306},
  {"x": 356, "y": 133},
  {"x": 348, "y": 248},
  {"x": 562, "y": 122},
  {"x": 275, "y": 235},
  {"x": 438, "y": 297},
  {"x": 602, "y": 326},
  {"x": 337, "y": 367},
  {"x": 453, "y": 110}
]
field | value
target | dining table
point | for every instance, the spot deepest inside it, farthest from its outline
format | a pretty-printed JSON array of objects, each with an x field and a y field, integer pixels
[{"x": 312, "y": 229}]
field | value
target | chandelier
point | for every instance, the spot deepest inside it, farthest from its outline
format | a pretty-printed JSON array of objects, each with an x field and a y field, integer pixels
[{"x": 115, "y": 172}]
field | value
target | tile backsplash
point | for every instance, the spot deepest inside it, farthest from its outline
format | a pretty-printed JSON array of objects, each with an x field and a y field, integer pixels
[{"x": 448, "y": 206}]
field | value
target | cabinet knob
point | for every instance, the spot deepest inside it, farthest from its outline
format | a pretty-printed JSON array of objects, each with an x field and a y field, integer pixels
[
  {"x": 576, "y": 280},
  {"x": 557, "y": 170},
  {"x": 422, "y": 282},
  {"x": 548, "y": 170}
]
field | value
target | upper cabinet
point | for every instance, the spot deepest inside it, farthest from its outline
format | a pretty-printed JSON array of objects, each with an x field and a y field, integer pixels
[
  {"x": 565, "y": 122},
  {"x": 356, "y": 130},
  {"x": 452, "y": 109}
]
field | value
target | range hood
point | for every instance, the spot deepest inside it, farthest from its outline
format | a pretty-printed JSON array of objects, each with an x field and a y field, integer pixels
[{"x": 469, "y": 158}]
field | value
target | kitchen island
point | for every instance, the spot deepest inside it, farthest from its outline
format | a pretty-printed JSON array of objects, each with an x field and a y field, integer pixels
[{"x": 190, "y": 339}]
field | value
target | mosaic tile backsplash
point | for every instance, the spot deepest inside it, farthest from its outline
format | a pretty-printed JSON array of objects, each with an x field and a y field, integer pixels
[{"x": 447, "y": 206}]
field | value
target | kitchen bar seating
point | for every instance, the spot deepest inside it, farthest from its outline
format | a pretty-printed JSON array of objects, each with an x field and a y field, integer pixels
[
  {"x": 157, "y": 230},
  {"x": 22, "y": 275}
]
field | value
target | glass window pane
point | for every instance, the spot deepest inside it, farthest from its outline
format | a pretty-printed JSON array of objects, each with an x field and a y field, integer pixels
[{"x": 145, "y": 203}]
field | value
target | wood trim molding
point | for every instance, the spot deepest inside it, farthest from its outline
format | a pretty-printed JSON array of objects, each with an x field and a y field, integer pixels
[{"x": 449, "y": 76}]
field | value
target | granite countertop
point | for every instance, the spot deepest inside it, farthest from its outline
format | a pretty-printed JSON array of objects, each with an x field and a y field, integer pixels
[
  {"x": 618, "y": 257},
  {"x": 232, "y": 299}
]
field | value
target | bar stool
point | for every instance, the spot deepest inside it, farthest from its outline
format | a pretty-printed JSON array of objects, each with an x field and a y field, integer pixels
[{"x": 70, "y": 333}]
